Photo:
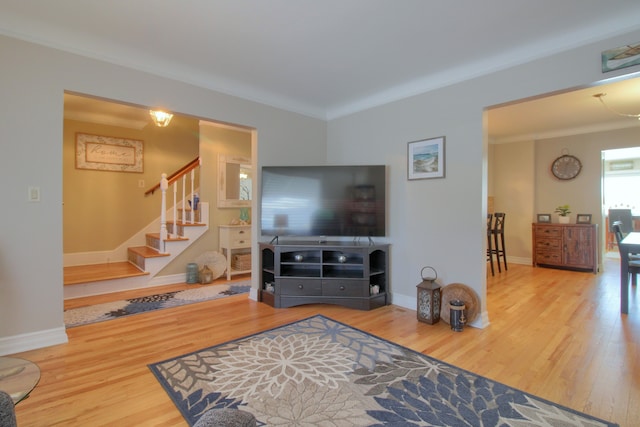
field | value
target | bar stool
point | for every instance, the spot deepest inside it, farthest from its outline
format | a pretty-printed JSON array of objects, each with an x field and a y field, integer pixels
[
  {"x": 490, "y": 250},
  {"x": 498, "y": 239}
]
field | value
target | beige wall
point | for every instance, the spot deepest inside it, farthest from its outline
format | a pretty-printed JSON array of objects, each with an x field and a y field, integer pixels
[
  {"x": 102, "y": 209},
  {"x": 513, "y": 176}
]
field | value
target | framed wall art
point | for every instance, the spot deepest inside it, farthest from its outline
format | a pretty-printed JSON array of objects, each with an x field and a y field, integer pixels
[
  {"x": 544, "y": 218},
  {"x": 425, "y": 158},
  {"x": 621, "y": 57},
  {"x": 108, "y": 153},
  {"x": 583, "y": 219}
]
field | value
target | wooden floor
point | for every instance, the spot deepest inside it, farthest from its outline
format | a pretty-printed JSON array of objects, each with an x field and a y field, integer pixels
[{"x": 556, "y": 334}]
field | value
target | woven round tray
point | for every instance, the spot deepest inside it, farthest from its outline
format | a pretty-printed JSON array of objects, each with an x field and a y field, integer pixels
[
  {"x": 215, "y": 261},
  {"x": 463, "y": 293}
]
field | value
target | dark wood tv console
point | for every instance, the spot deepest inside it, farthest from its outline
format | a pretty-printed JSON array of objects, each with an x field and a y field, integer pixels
[{"x": 351, "y": 274}]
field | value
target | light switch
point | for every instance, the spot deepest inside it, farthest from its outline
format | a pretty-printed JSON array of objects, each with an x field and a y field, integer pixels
[
  {"x": 141, "y": 183},
  {"x": 34, "y": 194}
]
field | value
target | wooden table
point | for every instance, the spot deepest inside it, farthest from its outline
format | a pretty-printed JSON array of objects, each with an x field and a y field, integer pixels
[
  {"x": 18, "y": 377},
  {"x": 629, "y": 245}
]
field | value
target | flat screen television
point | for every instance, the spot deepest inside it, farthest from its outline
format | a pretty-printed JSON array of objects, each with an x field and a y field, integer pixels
[{"x": 332, "y": 201}]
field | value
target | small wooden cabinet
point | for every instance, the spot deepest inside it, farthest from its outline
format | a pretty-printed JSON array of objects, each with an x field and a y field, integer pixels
[
  {"x": 345, "y": 273},
  {"x": 234, "y": 239},
  {"x": 573, "y": 246}
]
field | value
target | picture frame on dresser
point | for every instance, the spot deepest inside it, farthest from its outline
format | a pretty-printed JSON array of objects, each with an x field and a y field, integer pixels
[
  {"x": 544, "y": 218},
  {"x": 583, "y": 219}
]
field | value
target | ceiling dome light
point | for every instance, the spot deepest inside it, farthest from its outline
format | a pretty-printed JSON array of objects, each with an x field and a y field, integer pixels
[
  {"x": 160, "y": 118},
  {"x": 601, "y": 95}
]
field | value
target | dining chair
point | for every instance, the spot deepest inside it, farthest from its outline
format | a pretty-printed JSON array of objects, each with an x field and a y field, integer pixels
[
  {"x": 490, "y": 250},
  {"x": 634, "y": 259},
  {"x": 498, "y": 239}
]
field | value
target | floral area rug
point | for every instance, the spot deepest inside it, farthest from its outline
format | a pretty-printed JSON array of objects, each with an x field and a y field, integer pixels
[
  {"x": 318, "y": 372},
  {"x": 112, "y": 310}
]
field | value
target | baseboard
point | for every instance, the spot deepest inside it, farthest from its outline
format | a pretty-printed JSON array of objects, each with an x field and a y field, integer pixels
[
  {"x": 32, "y": 341},
  {"x": 167, "y": 280},
  {"x": 519, "y": 260}
]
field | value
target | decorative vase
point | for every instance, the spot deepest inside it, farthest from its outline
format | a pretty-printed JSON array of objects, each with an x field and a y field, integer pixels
[
  {"x": 564, "y": 219},
  {"x": 244, "y": 214},
  {"x": 206, "y": 275}
]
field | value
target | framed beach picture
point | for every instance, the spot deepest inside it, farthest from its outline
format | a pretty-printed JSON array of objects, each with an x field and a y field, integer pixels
[{"x": 426, "y": 158}]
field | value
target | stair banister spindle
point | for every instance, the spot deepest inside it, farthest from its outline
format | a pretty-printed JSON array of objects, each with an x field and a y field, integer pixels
[
  {"x": 164, "y": 185},
  {"x": 193, "y": 202},
  {"x": 175, "y": 209},
  {"x": 184, "y": 196}
]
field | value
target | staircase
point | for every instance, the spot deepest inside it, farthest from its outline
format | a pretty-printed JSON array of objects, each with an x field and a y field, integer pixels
[{"x": 156, "y": 252}]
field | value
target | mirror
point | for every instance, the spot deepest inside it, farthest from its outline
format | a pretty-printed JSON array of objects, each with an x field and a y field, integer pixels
[{"x": 234, "y": 181}]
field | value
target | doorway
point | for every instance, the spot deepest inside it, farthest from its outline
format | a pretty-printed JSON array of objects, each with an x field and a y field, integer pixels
[
  {"x": 98, "y": 224},
  {"x": 620, "y": 179}
]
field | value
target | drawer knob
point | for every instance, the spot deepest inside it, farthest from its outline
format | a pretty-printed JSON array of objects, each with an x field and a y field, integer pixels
[
  {"x": 342, "y": 288},
  {"x": 300, "y": 286}
]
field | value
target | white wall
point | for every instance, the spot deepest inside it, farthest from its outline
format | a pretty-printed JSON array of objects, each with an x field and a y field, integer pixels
[
  {"x": 33, "y": 81},
  {"x": 441, "y": 222}
]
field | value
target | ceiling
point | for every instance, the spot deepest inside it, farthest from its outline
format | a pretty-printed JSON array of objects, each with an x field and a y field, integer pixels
[{"x": 330, "y": 58}]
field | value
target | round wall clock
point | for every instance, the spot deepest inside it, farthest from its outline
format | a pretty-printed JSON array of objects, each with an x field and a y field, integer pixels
[{"x": 566, "y": 167}]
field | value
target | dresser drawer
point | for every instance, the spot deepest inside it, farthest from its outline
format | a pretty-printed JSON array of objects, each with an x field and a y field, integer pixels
[
  {"x": 549, "y": 231},
  {"x": 345, "y": 288},
  {"x": 235, "y": 237},
  {"x": 548, "y": 243},
  {"x": 552, "y": 258},
  {"x": 304, "y": 286}
]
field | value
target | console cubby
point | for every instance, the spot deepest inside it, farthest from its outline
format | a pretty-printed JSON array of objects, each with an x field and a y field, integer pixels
[{"x": 344, "y": 273}]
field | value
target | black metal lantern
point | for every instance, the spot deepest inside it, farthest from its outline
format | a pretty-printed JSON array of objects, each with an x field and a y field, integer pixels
[{"x": 429, "y": 298}]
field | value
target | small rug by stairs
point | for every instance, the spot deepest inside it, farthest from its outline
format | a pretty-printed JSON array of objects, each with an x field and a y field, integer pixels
[
  {"x": 112, "y": 310},
  {"x": 318, "y": 372}
]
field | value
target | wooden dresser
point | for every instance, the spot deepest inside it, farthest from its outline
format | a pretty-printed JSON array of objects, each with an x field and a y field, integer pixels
[{"x": 572, "y": 246}]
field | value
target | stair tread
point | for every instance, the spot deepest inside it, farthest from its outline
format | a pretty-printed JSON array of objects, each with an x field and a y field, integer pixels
[
  {"x": 98, "y": 272},
  {"x": 146, "y": 252},
  {"x": 169, "y": 239}
]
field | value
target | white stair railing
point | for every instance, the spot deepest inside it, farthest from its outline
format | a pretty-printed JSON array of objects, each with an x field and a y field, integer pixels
[
  {"x": 192, "y": 196},
  {"x": 191, "y": 169}
]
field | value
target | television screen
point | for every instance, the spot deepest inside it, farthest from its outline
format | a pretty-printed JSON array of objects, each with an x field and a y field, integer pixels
[{"x": 323, "y": 201}]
